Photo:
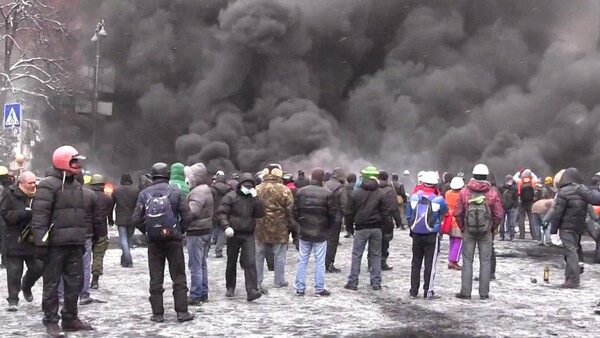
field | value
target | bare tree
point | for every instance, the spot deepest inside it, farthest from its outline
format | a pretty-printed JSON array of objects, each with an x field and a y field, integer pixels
[{"x": 32, "y": 63}]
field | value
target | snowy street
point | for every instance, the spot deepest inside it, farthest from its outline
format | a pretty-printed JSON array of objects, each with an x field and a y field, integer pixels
[{"x": 517, "y": 308}]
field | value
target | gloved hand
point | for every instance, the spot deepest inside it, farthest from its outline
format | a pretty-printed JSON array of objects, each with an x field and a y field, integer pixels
[
  {"x": 545, "y": 225},
  {"x": 229, "y": 232},
  {"x": 253, "y": 192},
  {"x": 111, "y": 223},
  {"x": 41, "y": 253},
  {"x": 296, "y": 242},
  {"x": 555, "y": 239},
  {"x": 388, "y": 236}
]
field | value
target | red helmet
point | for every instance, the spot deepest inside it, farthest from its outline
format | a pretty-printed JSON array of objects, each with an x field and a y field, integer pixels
[{"x": 67, "y": 158}]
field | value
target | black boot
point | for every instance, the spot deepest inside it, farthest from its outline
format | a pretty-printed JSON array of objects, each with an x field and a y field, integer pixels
[
  {"x": 184, "y": 316},
  {"x": 54, "y": 330},
  {"x": 94, "y": 284}
]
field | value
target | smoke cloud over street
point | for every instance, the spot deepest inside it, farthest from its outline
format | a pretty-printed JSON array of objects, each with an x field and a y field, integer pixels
[{"x": 398, "y": 83}]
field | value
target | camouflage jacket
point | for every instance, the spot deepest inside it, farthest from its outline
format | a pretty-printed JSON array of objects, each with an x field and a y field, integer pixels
[{"x": 279, "y": 202}]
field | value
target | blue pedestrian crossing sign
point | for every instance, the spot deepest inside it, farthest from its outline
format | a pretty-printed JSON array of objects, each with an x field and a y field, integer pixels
[{"x": 12, "y": 115}]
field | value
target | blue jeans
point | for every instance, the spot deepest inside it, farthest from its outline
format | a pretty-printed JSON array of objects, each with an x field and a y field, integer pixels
[
  {"x": 219, "y": 237},
  {"x": 361, "y": 237},
  {"x": 508, "y": 223},
  {"x": 279, "y": 251},
  {"x": 87, "y": 273},
  {"x": 320, "y": 249},
  {"x": 126, "y": 241},
  {"x": 537, "y": 226},
  {"x": 198, "y": 247}
]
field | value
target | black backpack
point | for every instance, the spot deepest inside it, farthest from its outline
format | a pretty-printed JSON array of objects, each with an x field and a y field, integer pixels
[
  {"x": 527, "y": 191},
  {"x": 159, "y": 217},
  {"x": 509, "y": 198},
  {"x": 478, "y": 217}
]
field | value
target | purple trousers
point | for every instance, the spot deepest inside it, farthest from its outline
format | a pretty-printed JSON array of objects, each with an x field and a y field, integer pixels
[{"x": 455, "y": 249}]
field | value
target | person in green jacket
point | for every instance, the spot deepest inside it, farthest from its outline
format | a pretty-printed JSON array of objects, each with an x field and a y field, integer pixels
[{"x": 178, "y": 178}]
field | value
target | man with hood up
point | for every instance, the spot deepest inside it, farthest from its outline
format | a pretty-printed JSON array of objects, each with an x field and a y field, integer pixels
[
  {"x": 301, "y": 181},
  {"x": 569, "y": 216},
  {"x": 124, "y": 199},
  {"x": 219, "y": 189},
  {"x": 509, "y": 198},
  {"x": 478, "y": 213},
  {"x": 339, "y": 195},
  {"x": 392, "y": 216},
  {"x": 274, "y": 228},
  {"x": 237, "y": 215},
  {"x": 178, "y": 178},
  {"x": 100, "y": 239},
  {"x": 365, "y": 213},
  {"x": 202, "y": 207},
  {"x": 59, "y": 230}
]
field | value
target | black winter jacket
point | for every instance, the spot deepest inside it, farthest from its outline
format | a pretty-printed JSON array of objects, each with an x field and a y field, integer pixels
[
  {"x": 103, "y": 210},
  {"x": 16, "y": 218},
  {"x": 392, "y": 206},
  {"x": 219, "y": 190},
  {"x": 316, "y": 211},
  {"x": 90, "y": 204},
  {"x": 179, "y": 204},
  {"x": 340, "y": 195},
  {"x": 60, "y": 206},
  {"x": 240, "y": 211},
  {"x": 366, "y": 207},
  {"x": 124, "y": 197},
  {"x": 570, "y": 209}
]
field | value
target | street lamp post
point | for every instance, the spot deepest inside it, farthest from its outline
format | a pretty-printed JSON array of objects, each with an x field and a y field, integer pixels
[{"x": 98, "y": 34}]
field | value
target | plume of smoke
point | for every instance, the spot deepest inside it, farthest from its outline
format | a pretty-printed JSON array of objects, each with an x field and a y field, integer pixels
[{"x": 399, "y": 84}]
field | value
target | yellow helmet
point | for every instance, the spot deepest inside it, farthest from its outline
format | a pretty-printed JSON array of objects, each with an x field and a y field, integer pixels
[
  {"x": 3, "y": 170},
  {"x": 548, "y": 180}
]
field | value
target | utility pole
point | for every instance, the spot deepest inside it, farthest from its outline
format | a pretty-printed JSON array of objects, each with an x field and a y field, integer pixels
[{"x": 98, "y": 34}]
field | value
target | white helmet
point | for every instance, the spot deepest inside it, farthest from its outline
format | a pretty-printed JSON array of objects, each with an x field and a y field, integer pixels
[
  {"x": 457, "y": 183},
  {"x": 406, "y": 172},
  {"x": 430, "y": 177},
  {"x": 420, "y": 176},
  {"x": 481, "y": 169}
]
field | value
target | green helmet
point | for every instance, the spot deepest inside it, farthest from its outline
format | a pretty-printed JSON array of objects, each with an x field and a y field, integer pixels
[
  {"x": 370, "y": 171},
  {"x": 97, "y": 179}
]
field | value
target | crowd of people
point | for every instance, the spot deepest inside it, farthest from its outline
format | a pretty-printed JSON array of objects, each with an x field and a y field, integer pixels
[{"x": 58, "y": 228}]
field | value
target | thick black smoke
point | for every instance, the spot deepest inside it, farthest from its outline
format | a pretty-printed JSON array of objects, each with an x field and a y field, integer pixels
[{"x": 399, "y": 83}]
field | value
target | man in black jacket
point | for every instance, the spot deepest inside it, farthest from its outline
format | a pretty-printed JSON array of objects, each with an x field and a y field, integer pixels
[
  {"x": 340, "y": 196},
  {"x": 6, "y": 180},
  {"x": 509, "y": 198},
  {"x": 392, "y": 215},
  {"x": 169, "y": 246},
  {"x": 570, "y": 211},
  {"x": 350, "y": 181},
  {"x": 316, "y": 211},
  {"x": 59, "y": 229},
  {"x": 124, "y": 199},
  {"x": 16, "y": 212},
  {"x": 365, "y": 212},
  {"x": 219, "y": 189},
  {"x": 100, "y": 239},
  {"x": 237, "y": 214}
]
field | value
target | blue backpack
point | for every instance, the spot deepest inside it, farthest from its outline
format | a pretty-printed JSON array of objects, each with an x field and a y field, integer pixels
[
  {"x": 159, "y": 218},
  {"x": 422, "y": 220}
]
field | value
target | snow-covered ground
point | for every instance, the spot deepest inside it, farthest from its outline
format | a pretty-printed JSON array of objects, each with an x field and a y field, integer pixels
[{"x": 517, "y": 308}]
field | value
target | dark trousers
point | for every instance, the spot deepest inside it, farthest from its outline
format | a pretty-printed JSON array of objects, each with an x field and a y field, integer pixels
[
  {"x": 14, "y": 272},
  {"x": 171, "y": 251},
  {"x": 65, "y": 261},
  {"x": 424, "y": 248},
  {"x": 245, "y": 243},
  {"x": 269, "y": 257},
  {"x": 2, "y": 242},
  {"x": 332, "y": 243},
  {"x": 493, "y": 261}
]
